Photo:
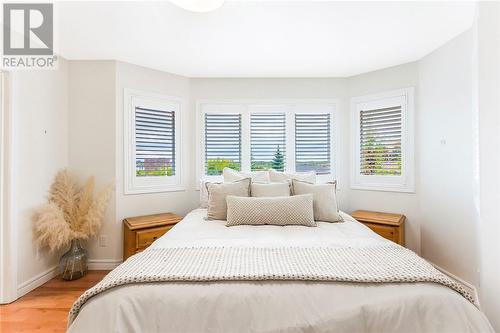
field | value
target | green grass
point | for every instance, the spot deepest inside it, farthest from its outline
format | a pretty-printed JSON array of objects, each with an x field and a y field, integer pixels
[
  {"x": 162, "y": 171},
  {"x": 215, "y": 166}
]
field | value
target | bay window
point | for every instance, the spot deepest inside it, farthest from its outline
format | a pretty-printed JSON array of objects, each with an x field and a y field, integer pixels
[{"x": 293, "y": 136}]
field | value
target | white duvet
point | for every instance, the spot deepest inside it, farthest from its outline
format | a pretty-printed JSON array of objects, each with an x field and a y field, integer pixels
[{"x": 279, "y": 306}]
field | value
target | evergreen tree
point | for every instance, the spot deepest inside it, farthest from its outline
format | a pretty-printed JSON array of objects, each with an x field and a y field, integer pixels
[{"x": 278, "y": 162}]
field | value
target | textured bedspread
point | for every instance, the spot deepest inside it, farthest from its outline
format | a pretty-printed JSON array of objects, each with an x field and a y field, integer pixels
[
  {"x": 375, "y": 264},
  {"x": 254, "y": 283}
]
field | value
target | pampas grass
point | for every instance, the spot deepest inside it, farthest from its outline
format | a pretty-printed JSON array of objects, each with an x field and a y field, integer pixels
[{"x": 72, "y": 212}]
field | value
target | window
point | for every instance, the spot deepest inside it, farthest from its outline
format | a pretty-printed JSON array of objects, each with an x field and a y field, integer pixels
[
  {"x": 380, "y": 146},
  {"x": 151, "y": 139},
  {"x": 267, "y": 133},
  {"x": 154, "y": 142},
  {"x": 312, "y": 142},
  {"x": 222, "y": 142},
  {"x": 383, "y": 141},
  {"x": 249, "y": 136}
]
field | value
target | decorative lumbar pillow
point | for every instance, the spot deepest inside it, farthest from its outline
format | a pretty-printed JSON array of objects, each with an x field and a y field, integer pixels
[
  {"x": 231, "y": 175},
  {"x": 217, "y": 193},
  {"x": 270, "y": 190},
  {"x": 292, "y": 210},
  {"x": 277, "y": 176},
  {"x": 325, "y": 199}
]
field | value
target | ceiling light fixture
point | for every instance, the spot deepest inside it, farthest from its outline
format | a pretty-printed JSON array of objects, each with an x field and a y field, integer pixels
[{"x": 199, "y": 6}]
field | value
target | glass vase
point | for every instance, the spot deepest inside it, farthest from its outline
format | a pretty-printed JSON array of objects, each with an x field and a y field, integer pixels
[{"x": 73, "y": 264}]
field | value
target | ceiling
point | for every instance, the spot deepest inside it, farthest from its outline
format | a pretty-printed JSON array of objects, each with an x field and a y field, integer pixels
[{"x": 260, "y": 38}]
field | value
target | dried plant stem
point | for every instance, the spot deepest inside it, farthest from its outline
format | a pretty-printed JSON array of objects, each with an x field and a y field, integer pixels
[{"x": 72, "y": 212}]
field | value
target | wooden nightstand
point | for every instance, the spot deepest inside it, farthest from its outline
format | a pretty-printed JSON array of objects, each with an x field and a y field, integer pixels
[
  {"x": 141, "y": 231},
  {"x": 390, "y": 226}
]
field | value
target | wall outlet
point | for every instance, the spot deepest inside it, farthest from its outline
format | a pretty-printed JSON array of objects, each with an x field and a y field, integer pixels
[{"x": 103, "y": 241}]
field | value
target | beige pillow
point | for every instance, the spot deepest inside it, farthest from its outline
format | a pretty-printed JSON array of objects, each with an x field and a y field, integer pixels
[
  {"x": 294, "y": 210},
  {"x": 203, "y": 193},
  {"x": 217, "y": 192},
  {"x": 277, "y": 176},
  {"x": 270, "y": 190},
  {"x": 325, "y": 199},
  {"x": 231, "y": 175}
]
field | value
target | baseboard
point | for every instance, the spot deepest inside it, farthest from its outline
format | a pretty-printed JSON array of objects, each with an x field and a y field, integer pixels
[
  {"x": 103, "y": 264},
  {"x": 37, "y": 281},
  {"x": 469, "y": 287}
]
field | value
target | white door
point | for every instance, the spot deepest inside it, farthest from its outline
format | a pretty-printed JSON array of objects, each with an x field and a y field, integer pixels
[{"x": 8, "y": 273}]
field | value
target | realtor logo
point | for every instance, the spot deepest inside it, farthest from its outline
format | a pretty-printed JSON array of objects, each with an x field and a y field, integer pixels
[{"x": 28, "y": 36}]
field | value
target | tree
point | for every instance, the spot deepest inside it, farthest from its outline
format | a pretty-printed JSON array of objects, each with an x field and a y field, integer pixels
[
  {"x": 215, "y": 166},
  {"x": 278, "y": 162},
  {"x": 380, "y": 158}
]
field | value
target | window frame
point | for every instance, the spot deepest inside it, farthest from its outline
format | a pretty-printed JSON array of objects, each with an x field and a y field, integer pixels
[
  {"x": 393, "y": 183},
  {"x": 290, "y": 107},
  {"x": 150, "y": 184}
]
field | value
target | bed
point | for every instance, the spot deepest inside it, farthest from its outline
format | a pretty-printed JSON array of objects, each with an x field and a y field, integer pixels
[{"x": 275, "y": 306}]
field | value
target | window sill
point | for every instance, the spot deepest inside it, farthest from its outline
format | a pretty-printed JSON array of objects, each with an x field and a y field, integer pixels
[
  {"x": 384, "y": 188},
  {"x": 176, "y": 188}
]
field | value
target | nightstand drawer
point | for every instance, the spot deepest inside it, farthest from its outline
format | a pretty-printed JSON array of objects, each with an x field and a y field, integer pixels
[
  {"x": 388, "y": 225},
  {"x": 141, "y": 231},
  {"x": 148, "y": 236},
  {"x": 390, "y": 233}
]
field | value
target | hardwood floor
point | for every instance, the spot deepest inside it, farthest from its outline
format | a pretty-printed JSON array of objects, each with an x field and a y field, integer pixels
[{"x": 45, "y": 309}]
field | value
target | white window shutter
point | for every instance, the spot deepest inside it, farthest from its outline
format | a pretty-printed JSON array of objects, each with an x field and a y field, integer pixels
[
  {"x": 222, "y": 142},
  {"x": 154, "y": 142},
  {"x": 313, "y": 142},
  {"x": 380, "y": 141},
  {"x": 383, "y": 142},
  {"x": 267, "y": 141},
  {"x": 286, "y": 135},
  {"x": 153, "y": 148}
]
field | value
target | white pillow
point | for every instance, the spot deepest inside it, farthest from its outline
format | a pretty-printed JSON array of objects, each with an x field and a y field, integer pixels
[
  {"x": 270, "y": 190},
  {"x": 325, "y": 199},
  {"x": 231, "y": 175},
  {"x": 204, "y": 193},
  {"x": 217, "y": 193},
  {"x": 277, "y": 176},
  {"x": 294, "y": 210}
]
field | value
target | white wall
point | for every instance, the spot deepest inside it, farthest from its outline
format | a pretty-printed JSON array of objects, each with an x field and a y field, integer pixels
[
  {"x": 39, "y": 107},
  {"x": 392, "y": 78},
  {"x": 180, "y": 202},
  {"x": 92, "y": 139},
  {"x": 445, "y": 144},
  {"x": 487, "y": 28},
  {"x": 96, "y": 141}
]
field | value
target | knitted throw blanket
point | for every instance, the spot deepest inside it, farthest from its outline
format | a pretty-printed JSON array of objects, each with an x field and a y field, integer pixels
[{"x": 375, "y": 264}]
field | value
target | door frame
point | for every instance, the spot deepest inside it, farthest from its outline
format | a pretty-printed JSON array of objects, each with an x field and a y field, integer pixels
[{"x": 8, "y": 253}]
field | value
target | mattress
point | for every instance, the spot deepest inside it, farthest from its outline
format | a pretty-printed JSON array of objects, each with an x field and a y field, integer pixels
[{"x": 277, "y": 306}]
